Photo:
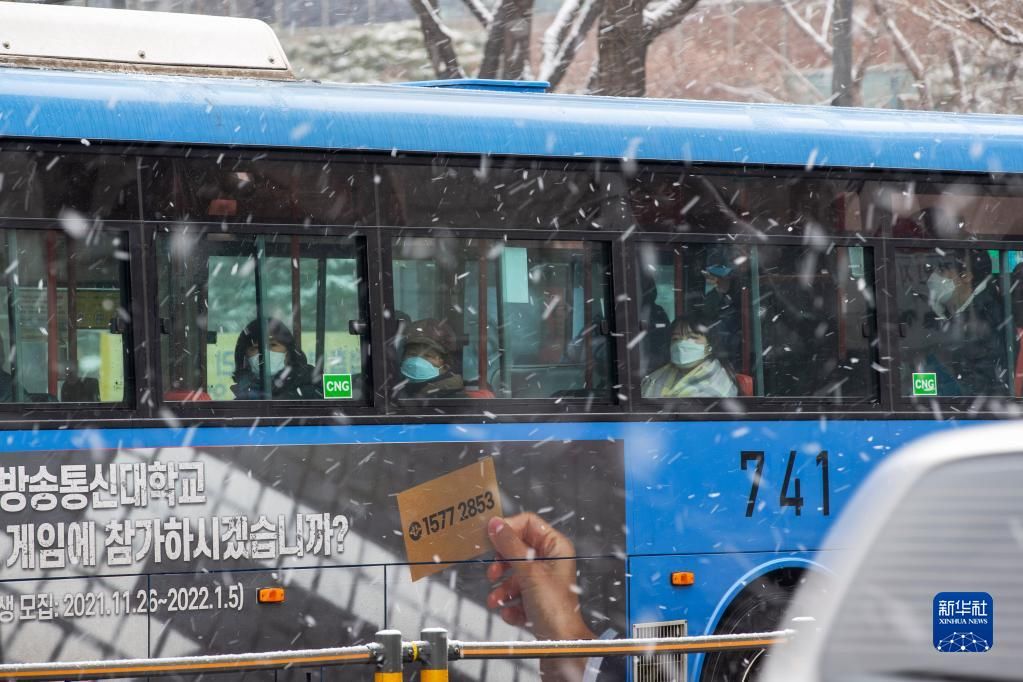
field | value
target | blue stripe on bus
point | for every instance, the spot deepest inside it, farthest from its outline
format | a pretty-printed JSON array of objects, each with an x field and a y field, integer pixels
[{"x": 95, "y": 107}]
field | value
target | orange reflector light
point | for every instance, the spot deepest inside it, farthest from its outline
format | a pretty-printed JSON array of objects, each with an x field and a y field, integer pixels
[
  {"x": 271, "y": 595},
  {"x": 682, "y": 578}
]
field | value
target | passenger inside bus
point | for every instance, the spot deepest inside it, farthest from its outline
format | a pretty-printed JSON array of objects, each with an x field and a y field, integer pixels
[
  {"x": 291, "y": 376},
  {"x": 720, "y": 312},
  {"x": 426, "y": 362},
  {"x": 967, "y": 353},
  {"x": 78, "y": 389},
  {"x": 693, "y": 370},
  {"x": 655, "y": 322}
]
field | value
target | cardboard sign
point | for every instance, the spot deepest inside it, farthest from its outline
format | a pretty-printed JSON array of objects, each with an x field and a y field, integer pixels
[{"x": 446, "y": 519}]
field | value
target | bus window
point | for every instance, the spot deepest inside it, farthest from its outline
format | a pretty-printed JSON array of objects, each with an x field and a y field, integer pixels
[
  {"x": 224, "y": 298},
  {"x": 493, "y": 318},
  {"x": 65, "y": 311},
  {"x": 816, "y": 326},
  {"x": 953, "y": 210},
  {"x": 63, "y": 181},
  {"x": 958, "y": 322},
  {"x": 307, "y": 189},
  {"x": 498, "y": 194},
  {"x": 742, "y": 320},
  {"x": 701, "y": 292},
  {"x": 683, "y": 201}
]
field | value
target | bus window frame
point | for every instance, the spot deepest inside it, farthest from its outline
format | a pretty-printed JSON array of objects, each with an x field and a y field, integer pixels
[
  {"x": 932, "y": 405},
  {"x": 259, "y": 409},
  {"x": 133, "y": 362},
  {"x": 616, "y": 403},
  {"x": 754, "y": 404}
]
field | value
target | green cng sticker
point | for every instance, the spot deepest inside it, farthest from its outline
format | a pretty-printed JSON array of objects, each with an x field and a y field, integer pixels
[
  {"x": 338, "y": 385},
  {"x": 925, "y": 383}
]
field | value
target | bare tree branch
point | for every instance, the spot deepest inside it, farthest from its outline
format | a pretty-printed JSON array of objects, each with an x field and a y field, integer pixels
[
  {"x": 955, "y": 60},
  {"x": 999, "y": 29},
  {"x": 829, "y": 9},
  {"x": 751, "y": 92},
  {"x": 622, "y": 46},
  {"x": 556, "y": 33},
  {"x": 812, "y": 90},
  {"x": 819, "y": 40},
  {"x": 554, "y": 71},
  {"x": 860, "y": 68},
  {"x": 659, "y": 19},
  {"x": 480, "y": 11},
  {"x": 438, "y": 41},
  {"x": 907, "y": 52},
  {"x": 490, "y": 65},
  {"x": 517, "y": 35}
]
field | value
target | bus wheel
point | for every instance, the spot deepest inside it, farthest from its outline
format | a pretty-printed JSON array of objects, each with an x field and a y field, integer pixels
[{"x": 758, "y": 608}]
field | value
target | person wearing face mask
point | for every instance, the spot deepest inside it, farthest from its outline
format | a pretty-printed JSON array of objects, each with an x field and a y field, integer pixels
[
  {"x": 425, "y": 366},
  {"x": 692, "y": 371},
  {"x": 291, "y": 376},
  {"x": 967, "y": 329}
]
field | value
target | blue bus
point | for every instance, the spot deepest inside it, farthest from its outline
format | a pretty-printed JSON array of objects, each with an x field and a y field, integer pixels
[{"x": 283, "y": 362}]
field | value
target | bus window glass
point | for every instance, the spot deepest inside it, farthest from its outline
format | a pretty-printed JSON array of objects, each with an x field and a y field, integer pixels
[
  {"x": 492, "y": 318},
  {"x": 498, "y": 193},
  {"x": 66, "y": 319},
  {"x": 752, "y": 320},
  {"x": 686, "y": 201},
  {"x": 306, "y": 190},
  {"x": 224, "y": 298},
  {"x": 57, "y": 183},
  {"x": 952, "y": 210},
  {"x": 957, "y": 325}
]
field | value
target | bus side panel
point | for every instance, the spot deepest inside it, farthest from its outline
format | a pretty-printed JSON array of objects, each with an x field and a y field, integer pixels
[
  {"x": 698, "y": 487},
  {"x": 718, "y": 578},
  {"x": 194, "y": 523}
]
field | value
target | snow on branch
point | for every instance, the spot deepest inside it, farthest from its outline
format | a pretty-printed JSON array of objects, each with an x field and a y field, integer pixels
[
  {"x": 657, "y": 20},
  {"x": 438, "y": 41},
  {"x": 555, "y": 34},
  {"x": 1001, "y": 30},
  {"x": 480, "y": 11},
  {"x": 554, "y": 70}
]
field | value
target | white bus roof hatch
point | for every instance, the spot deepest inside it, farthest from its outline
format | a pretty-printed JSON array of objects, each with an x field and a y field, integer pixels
[{"x": 90, "y": 38}]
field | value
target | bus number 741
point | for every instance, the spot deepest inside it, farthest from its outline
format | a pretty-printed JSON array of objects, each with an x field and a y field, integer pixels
[{"x": 784, "y": 498}]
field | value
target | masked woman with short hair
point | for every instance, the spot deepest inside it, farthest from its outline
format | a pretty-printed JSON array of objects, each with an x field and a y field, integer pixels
[{"x": 692, "y": 370}]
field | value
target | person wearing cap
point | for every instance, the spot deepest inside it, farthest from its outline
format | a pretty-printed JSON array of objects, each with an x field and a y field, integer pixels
[
  {"x": 720, "y": 313},
  {"x": 425, "y": 362}
]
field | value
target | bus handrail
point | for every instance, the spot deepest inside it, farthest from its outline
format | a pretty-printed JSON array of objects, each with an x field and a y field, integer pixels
[{"x": 389, "y": 653}]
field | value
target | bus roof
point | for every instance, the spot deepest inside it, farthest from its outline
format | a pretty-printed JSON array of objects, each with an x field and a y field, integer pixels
[{"x": 309, "y": 115}]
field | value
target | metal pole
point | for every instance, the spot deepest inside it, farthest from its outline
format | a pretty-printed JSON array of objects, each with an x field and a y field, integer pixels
[
  {"x": 389, "y": 656},
  {"x": 758, "y": 350},
  {"x": 619, "y": 647},
  {"x": 435, "y": 655},
  {"x": 265, "y": 378},
  {"x": 187, "y": 665}
]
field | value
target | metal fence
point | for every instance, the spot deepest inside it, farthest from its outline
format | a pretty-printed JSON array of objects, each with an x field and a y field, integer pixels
[{"x": 390, "y": 654}]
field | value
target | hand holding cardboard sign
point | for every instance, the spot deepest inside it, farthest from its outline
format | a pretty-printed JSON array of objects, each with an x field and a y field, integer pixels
[{"x": 538, "y": 589}]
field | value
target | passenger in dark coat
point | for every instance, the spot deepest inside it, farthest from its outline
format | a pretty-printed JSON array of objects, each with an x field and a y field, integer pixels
[
  {"x": 291, "y": 375},
  {"x": 425, "y": 363}
]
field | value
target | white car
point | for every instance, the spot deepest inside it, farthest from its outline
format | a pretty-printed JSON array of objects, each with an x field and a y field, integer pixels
[{"x": 928, "y": 581}]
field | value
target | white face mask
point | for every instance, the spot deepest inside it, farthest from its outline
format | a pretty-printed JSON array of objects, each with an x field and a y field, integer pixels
[
  {"x": 686, "y": 352},
  {"x": 276, "y": 361},
  {"x": 939, "y": 291}
]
